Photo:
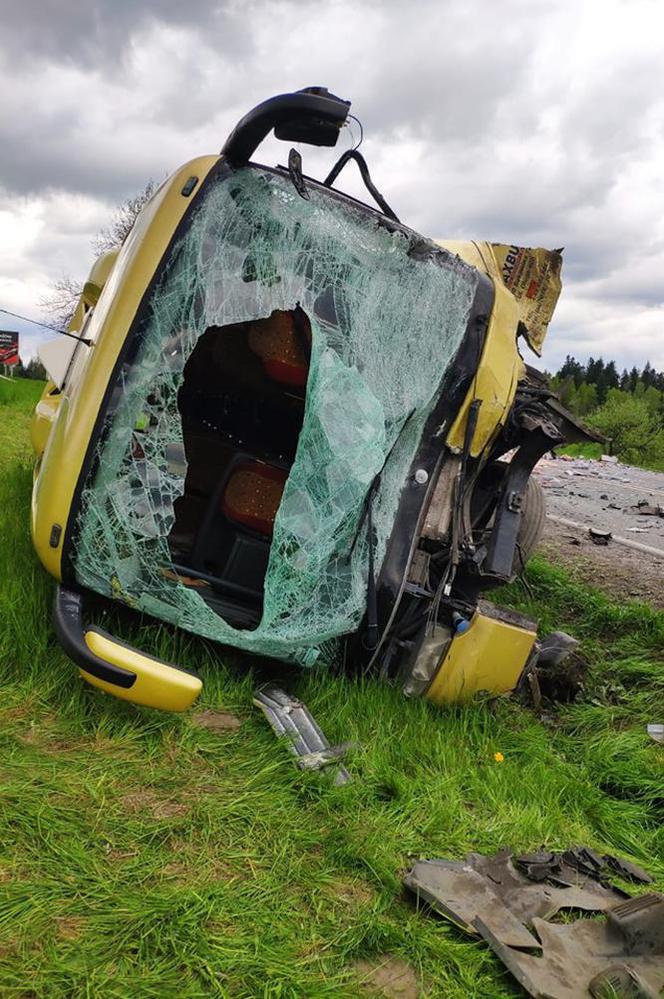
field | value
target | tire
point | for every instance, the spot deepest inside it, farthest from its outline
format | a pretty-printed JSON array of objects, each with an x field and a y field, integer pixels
[{"x": 531, "y": 528}]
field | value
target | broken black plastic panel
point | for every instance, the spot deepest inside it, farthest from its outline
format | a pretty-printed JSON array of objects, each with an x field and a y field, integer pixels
[{"x": 70, "y": 630}]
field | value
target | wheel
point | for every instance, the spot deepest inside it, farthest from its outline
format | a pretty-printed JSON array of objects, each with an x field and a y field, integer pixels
[{"x": 533, "y": 516}]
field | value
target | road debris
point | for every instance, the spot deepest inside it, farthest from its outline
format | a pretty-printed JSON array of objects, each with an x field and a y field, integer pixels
[
  {"x": 607, "y": 495},
  {"x": 599, "y": 537},
  {"x": 656, "y": 732},
  {"x": 646, "y": 509},
  {"x": 558, "y": 672}
]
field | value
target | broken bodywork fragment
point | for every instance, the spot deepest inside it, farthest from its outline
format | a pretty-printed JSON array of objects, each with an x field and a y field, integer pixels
[
  {"x": 291, "y": 718},
  {"x": 503, "y": 894},
  {"x": 509, "y": 901}
]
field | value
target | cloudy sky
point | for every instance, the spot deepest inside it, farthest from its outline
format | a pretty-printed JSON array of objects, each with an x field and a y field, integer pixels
[{"x": 536, "y": 122}]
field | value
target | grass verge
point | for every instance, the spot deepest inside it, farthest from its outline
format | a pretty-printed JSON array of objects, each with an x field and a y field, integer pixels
[{"x": 142, "y": 854}]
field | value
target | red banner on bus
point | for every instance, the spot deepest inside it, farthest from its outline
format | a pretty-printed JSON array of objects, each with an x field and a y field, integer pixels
[{"x": 8, "y": 347}]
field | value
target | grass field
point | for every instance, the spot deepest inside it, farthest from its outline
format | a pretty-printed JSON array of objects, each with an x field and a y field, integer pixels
[{"x": 142, "y": 855}]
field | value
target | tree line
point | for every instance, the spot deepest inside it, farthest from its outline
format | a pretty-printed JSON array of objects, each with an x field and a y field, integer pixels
[
  {"x": 626, "y": 407},
  {"x": 583, "y": 387},
  {"x": 33, "y": 369}
]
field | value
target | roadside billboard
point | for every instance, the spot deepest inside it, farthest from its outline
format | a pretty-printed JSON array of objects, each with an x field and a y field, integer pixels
[{"x": 8, "y": 347}]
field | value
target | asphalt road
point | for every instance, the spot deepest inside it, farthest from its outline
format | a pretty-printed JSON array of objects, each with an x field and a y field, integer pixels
[{"x": 601, "y": 494}]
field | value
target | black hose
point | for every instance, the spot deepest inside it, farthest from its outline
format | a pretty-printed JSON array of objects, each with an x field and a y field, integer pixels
[{"x": 352, "y": 154}]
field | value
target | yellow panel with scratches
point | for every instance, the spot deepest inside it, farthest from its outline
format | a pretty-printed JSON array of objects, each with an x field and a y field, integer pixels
[
  {"x": 125, "y": 281},
  {"x": 495, "y": 381},
  {"x": 490, "y": 656}
]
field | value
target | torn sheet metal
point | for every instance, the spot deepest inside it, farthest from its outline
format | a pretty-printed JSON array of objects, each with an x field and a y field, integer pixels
[
  {"x": 508, "y": 902},
  {"x": 533, "y": 275},
  {"x": 290, "y": 717},
  {"x": 496, "y": 890},
  {"x": 620, "y": 957}
]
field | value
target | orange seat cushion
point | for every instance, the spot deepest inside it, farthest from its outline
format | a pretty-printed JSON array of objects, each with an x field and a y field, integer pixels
[
  {"x": 253, "y": 495},
  {"x": 276, "y": 342}
]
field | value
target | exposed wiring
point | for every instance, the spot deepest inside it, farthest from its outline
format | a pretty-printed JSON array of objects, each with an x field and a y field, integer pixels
[
  {"x": 522, "y": 579},
  {"x": 359, "y": 123}
]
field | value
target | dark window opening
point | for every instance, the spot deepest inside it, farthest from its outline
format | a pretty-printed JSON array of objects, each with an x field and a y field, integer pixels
[{"x": 242, "y": 407}]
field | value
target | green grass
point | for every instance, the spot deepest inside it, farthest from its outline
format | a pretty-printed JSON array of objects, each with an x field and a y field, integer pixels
[
  {"x": 582, "y": 450},
  {"x": 20, "y": 391},
  {"x": 143, "y": 856}
]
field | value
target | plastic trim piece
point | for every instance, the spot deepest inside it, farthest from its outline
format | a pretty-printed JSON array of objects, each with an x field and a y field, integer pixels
[
  {"x": 68, "y": 625},
  {"x": 118, "y": 668},
  {"x": 291, "y": 718}
]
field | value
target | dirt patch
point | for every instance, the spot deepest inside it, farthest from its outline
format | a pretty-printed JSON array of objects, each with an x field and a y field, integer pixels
[
  {"x": 217, "y": 721},
  {"x": 178, "y": 871},
  {"x": 19, "y": 711},
  {"x": 116, "y": 856},
  {"x": 140, "y": 802},
  {"x": 191, "y": 863},
  {"x": 352, "y": 893},
  {"x": 43, "y": 734},
  {"x": 47, "y": 741},
  {"x": 618, "y": 571},
  {"x": 388, "y": 976},
  {"x": 190, "y": 870},
  {"x": 70, "y": 927}
]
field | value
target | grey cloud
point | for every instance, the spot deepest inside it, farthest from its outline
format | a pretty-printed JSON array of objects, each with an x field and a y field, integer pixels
[
  {"x": 477, "y": 124},
  {"x": 98, "y": 31}
]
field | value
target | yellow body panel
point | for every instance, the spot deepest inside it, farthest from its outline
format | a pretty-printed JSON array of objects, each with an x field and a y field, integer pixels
[
  {"x": 157, "y": 684},
  {"x": 532, "y": 275},
  {"x": 43, "y": 418},
  {"x": 490, "y": 656},
  {"x": 477, "y": 254},
  {"x": 495, "y": 381},
  {"x": 107, "y": 327}
]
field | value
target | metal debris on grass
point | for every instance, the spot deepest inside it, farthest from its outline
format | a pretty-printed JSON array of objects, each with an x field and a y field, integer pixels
[
  {"x": 508, "y": 901},
  {"x": 290, "y": 717}
]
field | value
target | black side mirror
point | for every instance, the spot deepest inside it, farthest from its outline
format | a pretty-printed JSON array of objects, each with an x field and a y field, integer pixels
[{"x": 312, "y": 115}]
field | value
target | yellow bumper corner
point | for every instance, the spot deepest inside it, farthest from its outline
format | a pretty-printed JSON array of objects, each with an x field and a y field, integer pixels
[{"x": 157, "y": 684}]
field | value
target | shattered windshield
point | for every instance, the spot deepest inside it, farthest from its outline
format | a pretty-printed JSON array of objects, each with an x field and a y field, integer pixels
[{"x": 317, "y": 309}]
